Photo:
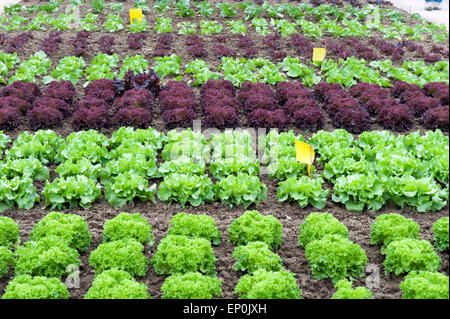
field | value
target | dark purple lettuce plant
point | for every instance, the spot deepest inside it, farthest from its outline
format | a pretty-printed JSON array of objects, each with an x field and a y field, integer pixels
[
  {"x": 137, "y": 117},
  {"x": 10, "y": 118},
  {"x": 436, "y": 118},
  {"x": 44, "y": 117},
  {"x": 220, "y": 117},
  {"x": 93, "y": 118},
  {"x": 309, "y": 118},
  {"x": 267, "y": 119},
  {"x": 398, "y": 118}
]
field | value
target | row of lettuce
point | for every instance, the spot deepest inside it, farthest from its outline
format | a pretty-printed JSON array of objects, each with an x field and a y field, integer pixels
[
  {"x": 367, "y": 173},
  {"x": 139, "y": 100},
  {"x": 186, "y": 257},
  {"x": 346, "y": 72},
  {"x": 313, "y": 20}
]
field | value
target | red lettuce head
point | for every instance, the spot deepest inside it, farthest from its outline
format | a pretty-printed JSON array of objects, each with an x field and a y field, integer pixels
[
  {"x": 10, "y": 118},
  {"x": 260, "y": 101},
  {"x": 355, "y": 120},
  {"x": 295, "y": 104},
  {"x": 436, "y": 118},
  {"x": 398, "y": 118},
  {"x": 44, "y": 117},
  {"x": 136, "y": 98},
  {"x": 63, "y": 90},
  {"x": 289, "y": 90},
  {"x": 220, "y": 117},
  {"x": 437, "y": 90},
  {"x": 89, "y": 103},
  {"x": 420, "y": 105},
  {"x": 375, "y": 104},
  {"x": 400, "y": 87},
  {"x": 56, "y": 104},
  {"x": 27, "y": 91},
  {"x": 137, "y": 117},
  {"x": 14, "y": 101},
  {"x": 179, "y": 117},
  {"x": 93, "y": 118},
  {"x": 101, "y": 89},
  {"x": 309, "y": 118},
  {"x": 261, "y": 118}
]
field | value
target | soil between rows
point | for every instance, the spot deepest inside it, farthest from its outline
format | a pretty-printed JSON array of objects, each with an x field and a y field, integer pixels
[
  {"x": 160, "y": 214},
  {"x": 179, "y": 48},
  {"x": 290, "y": 215}
]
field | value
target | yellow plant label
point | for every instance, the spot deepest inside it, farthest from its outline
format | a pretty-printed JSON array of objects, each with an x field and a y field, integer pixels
[
  {"x": 308, "y": 168},
  {"x": 135, "y": 14},
  {"x": 304, "y": 154},
  {"x": 319, "y": 54}
]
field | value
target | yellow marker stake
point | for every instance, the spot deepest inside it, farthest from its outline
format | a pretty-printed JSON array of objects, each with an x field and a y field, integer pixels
[
  {"x": 135, "y": 14},
  {"x": 319, "y": 54},
  {"x": 308, "y": 169},
  {"x": 305, "y": 154}
]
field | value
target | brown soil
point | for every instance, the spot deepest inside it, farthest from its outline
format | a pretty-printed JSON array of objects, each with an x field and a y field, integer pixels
[
  {"x": 179, "y": 48},
  {"x": 290, "y": 215},
  {"x": 160, "y": 214}
]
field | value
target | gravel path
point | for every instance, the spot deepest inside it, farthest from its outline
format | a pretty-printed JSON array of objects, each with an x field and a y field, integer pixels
[
  {"x": 6, "y": 3},
  {"x": 418, "y": 6}
]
